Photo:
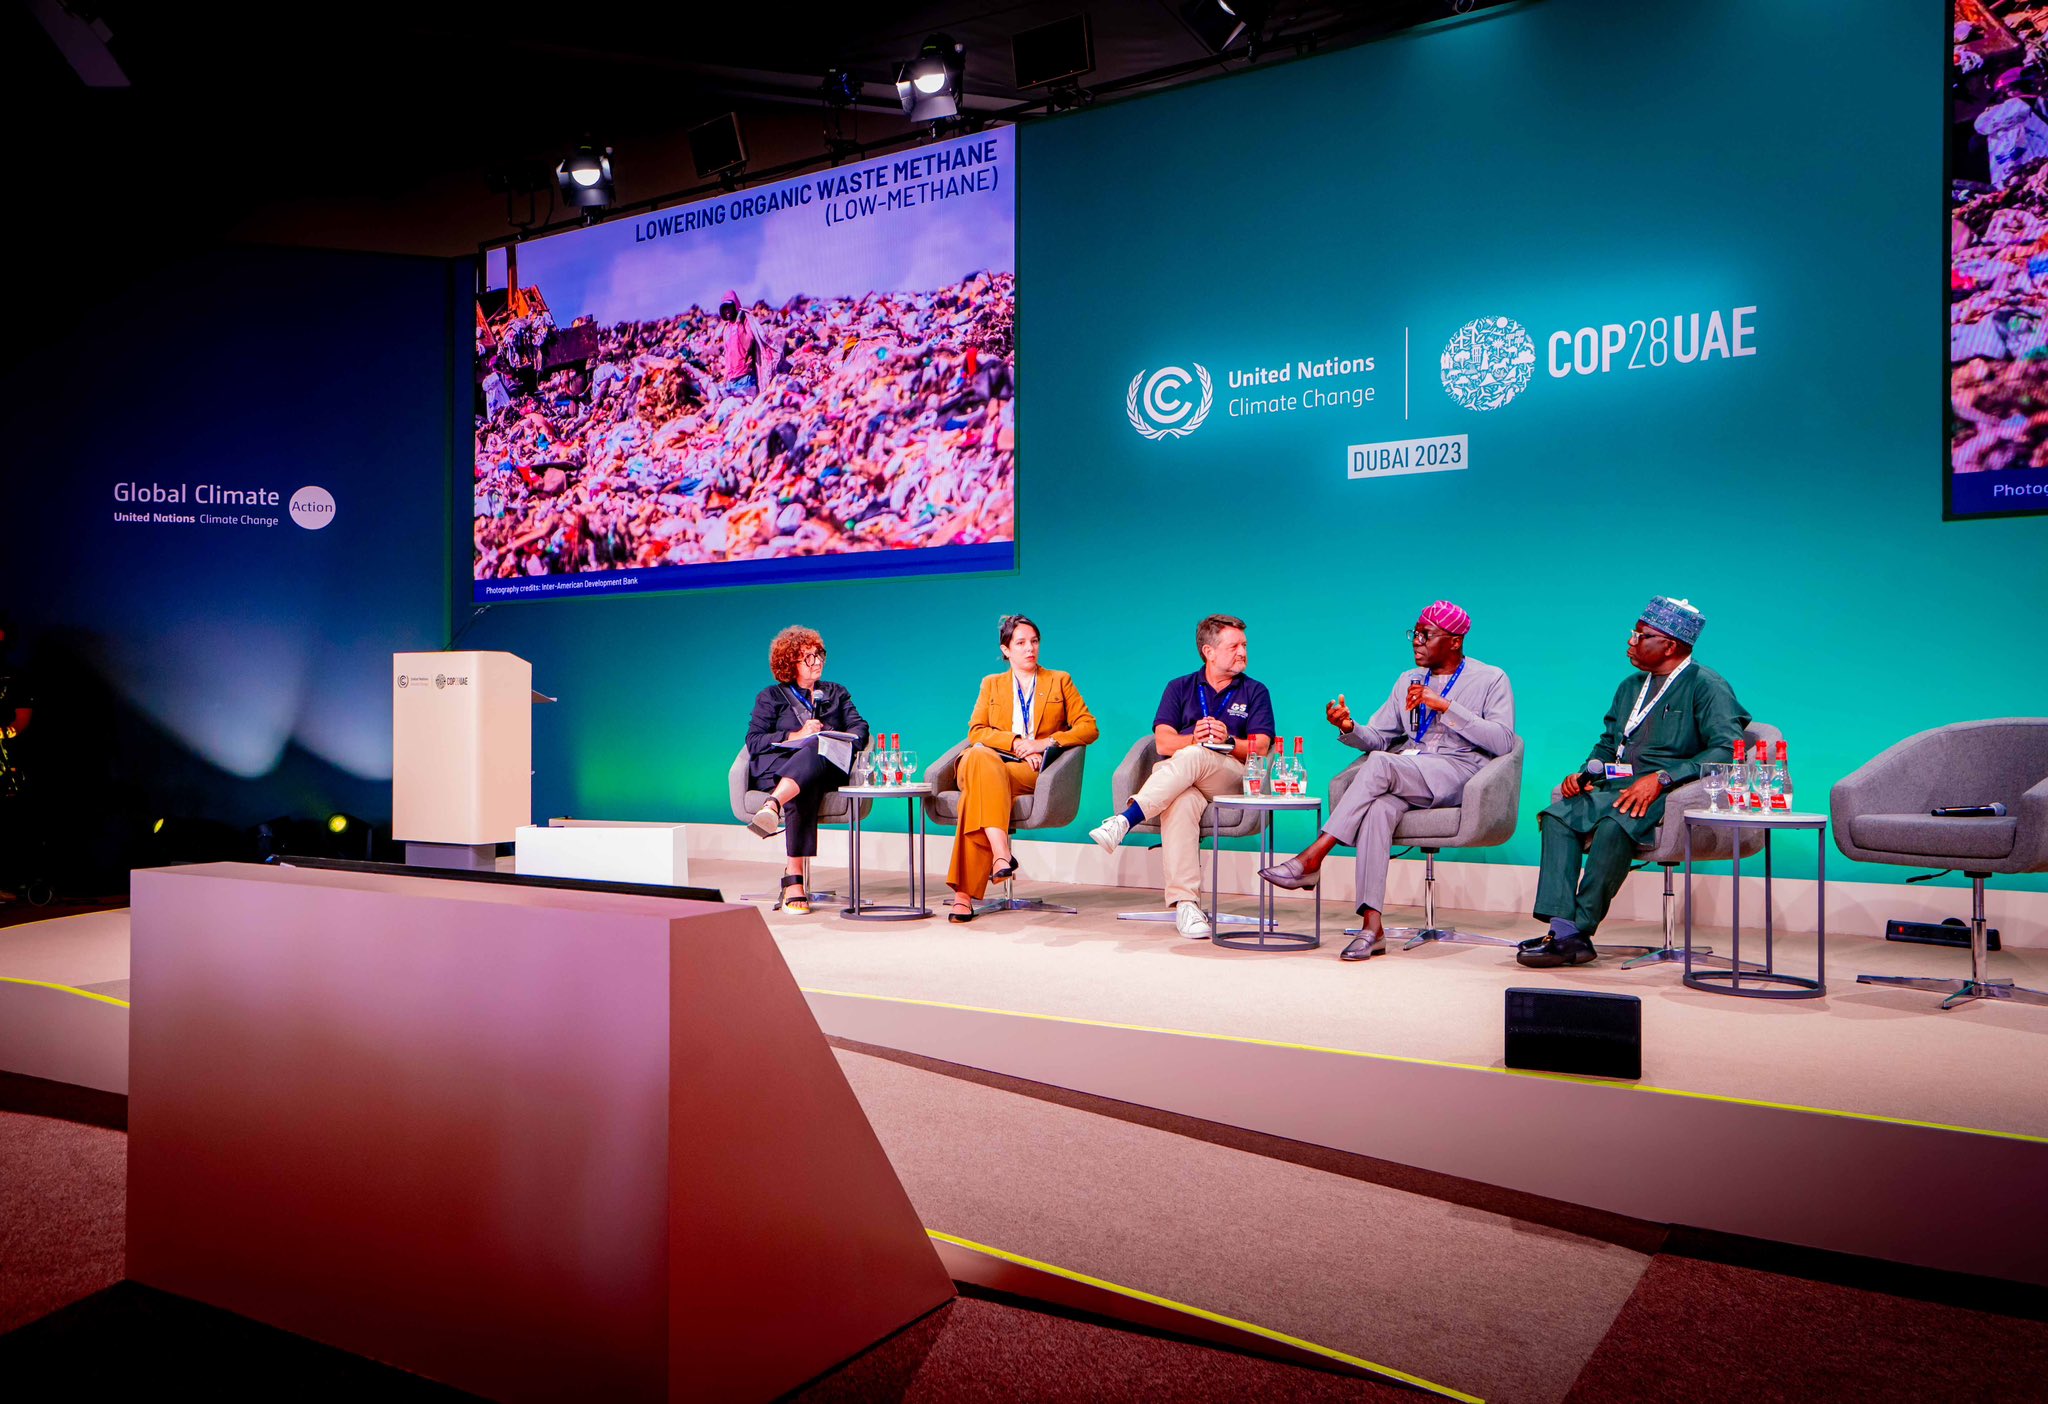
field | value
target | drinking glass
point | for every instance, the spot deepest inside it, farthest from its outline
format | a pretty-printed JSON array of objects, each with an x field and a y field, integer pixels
[
  {"x": 906, "y": 767},
  {"x": 1715, "y": 776}
]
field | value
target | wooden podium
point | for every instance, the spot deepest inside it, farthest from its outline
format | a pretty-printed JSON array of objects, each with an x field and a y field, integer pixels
[
  {"x": 532, "y": 1142},
  {"x": 461, "y": 755}
]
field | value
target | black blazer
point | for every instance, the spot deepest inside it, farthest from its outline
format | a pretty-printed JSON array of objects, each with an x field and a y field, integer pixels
[{"x": 776, "y": 714}]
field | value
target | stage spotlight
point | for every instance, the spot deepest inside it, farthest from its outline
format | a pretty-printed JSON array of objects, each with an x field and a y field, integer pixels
[
  {"x": 841, "y": 88},
  {"x": 1217, "y": 24},
  {"x": 929, "y": 86},
  {"x": 585, "y": 176}
]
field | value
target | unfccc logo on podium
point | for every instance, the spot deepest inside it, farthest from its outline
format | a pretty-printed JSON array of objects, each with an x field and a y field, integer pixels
[{"x": 1156, "y": 409}]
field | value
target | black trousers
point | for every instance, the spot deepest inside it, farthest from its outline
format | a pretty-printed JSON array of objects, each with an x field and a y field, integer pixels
[{"x": 815, "y": 778}]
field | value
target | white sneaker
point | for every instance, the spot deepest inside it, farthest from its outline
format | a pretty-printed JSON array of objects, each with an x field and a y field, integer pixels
[
  {"x": 1110, "y": 832},
  {"x": 1192, "y": 921}
]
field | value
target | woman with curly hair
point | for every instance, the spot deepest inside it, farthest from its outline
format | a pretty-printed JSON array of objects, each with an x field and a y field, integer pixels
[{"x": 798, "y": 704}]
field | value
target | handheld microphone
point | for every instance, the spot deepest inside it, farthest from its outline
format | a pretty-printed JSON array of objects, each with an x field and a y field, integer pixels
[{"x": 1969, "y": 811}]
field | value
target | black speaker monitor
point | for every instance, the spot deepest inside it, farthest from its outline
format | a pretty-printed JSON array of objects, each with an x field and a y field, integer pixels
[
  {"x": 1575, "y": 1031},
  {"x": 1054, "y": 52},
  {"x": 716, "y": 146}
]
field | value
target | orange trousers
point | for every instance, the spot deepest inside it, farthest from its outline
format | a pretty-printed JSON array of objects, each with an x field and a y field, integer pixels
[{"x": 988, "y": 785}]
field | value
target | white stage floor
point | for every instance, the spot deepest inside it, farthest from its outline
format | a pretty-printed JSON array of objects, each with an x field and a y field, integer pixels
[{"x": 1862, "y": 1049}]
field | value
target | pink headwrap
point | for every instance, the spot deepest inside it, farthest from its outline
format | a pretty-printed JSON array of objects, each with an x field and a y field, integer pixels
[{"x": 1448, "y": 617}]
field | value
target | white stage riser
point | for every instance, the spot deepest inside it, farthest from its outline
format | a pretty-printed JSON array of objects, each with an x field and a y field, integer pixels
[
  {"x": 1858, "y": 908},
  {"x": 1809, "y": 1178}
]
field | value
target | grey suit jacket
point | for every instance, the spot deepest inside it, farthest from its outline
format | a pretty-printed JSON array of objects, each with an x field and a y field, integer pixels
[{"x": 1477, "y": 726}]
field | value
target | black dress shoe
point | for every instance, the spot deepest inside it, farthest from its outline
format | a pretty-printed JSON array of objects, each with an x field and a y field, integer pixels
[
  {"x": 1551, "y": 952},
  {"x": 1533, "y": 942},
  {"x": 1364, "y": 945}
]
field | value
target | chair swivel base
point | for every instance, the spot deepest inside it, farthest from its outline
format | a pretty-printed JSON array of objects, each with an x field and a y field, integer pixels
[
  {"x": 1023, "y": 904},
  {"x": 1413, "y": 936},
  {"x": 1220, "y": 918},
  {"x": 821, "y": 895},
  {"x": 1662, "y": 955},
  {"x": 1960, "y": 991}
]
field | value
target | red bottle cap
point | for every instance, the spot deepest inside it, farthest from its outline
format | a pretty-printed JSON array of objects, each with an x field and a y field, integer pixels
[
  {"x": 1297, "y": 745},
  {"x": 1781, "y": 750},
  {"x": 896, "y": 742},
  {"x": 1739, "y": 744}
]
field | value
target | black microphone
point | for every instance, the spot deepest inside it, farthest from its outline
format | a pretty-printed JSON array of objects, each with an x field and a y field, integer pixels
[{"x": 1969, "y": 811}]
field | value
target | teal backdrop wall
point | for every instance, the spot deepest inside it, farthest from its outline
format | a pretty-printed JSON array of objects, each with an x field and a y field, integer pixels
[{"x": 1564, "y": 165}]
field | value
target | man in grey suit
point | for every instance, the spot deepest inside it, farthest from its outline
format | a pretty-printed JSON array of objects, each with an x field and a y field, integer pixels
[{"x": 1444, "y": 719}]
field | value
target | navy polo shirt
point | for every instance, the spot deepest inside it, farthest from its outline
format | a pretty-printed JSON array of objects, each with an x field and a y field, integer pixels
[{"x": 1244, "y": 707}]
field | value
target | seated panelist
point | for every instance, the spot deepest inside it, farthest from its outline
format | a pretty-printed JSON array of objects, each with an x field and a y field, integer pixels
[
  {"x": 1670, "y": 716},
  {"x": 799, "y": 704},
  {"x": 1445, "y": 717},
  {"x": 1208, "y": 722},
  {"x": 1026, "y": 712}
]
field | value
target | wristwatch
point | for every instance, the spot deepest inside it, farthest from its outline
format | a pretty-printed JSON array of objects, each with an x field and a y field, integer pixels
[{"x": 1663, "y": 780}]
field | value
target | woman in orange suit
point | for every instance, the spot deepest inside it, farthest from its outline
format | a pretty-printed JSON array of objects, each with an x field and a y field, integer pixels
[{"x": 1025, "y": 711}]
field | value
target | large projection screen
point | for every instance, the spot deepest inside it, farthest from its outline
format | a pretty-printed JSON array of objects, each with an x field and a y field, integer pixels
[
  {"x": 1998, "y": 260},
  {"x": 813, "y": 379}
]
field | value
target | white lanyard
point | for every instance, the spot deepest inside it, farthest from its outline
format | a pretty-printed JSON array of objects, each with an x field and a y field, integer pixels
[{"x": 1645, "y": 704}]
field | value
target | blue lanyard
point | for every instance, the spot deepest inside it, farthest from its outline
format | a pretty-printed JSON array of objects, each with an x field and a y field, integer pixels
[
  {"x": 1426, "y": 718},
  {"x": 803, "y": 703},
  {"x": 1222, "y": 698},
  {"x": 1024, "y": 717}
]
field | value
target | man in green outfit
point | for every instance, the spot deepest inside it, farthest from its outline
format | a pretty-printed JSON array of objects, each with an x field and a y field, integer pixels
[{"x": 1668, "y": 719}]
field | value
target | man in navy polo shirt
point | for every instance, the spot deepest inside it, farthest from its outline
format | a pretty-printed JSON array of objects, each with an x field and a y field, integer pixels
[{"x": 1207, "y": 724}]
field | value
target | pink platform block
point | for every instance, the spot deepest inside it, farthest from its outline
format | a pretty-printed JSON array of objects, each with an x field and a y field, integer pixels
[{"x": 534, "y": 1143}]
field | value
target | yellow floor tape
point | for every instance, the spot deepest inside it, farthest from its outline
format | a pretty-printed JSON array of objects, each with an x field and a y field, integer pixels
[
  {"x": 66, "y": 989},
  {"x": 1440, "y": 1063},
  {"x": 1252, "y": 1328}
]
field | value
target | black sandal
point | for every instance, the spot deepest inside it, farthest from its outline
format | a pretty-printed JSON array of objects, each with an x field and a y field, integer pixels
[
  {"x": 800, "y": 904},
  {"x": 1006, "y": 873},
  {"x": 768, "y": 818},
  {"x": 960, "y": 918}
]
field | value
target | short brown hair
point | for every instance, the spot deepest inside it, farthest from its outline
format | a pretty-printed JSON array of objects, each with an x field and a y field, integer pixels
[
  {"x": 790, "y": 645},
  {"x": 1208, "y": 629}
]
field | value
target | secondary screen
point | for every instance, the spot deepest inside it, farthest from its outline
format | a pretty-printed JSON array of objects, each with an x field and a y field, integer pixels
[
  {"x": 1998, "y": 259},
  {"x": 809, "y": 379}
]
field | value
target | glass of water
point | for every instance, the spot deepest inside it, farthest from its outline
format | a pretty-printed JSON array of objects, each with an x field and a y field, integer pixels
[
  {"x": 1714, "y": 776},
  {"x": 906, "y": 767}
]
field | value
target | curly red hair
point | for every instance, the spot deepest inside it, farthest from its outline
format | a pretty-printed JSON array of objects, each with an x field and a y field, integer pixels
[{"x": 790, "y": 645}]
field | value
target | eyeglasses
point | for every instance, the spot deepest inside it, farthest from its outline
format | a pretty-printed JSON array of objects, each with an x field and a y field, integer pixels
[
  {"x": 1423, "y": 636},
  {"x": 815, "y": 655},
  {"x": 1639, "y": 632}
]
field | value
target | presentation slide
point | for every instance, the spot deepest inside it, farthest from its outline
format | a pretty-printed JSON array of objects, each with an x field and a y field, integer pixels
[
  {"x": 811, "y": 379},
  {"x": 1998, "y": 260}
]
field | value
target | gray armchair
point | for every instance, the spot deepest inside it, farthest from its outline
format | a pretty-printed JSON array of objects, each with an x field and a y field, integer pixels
[
  {"x": 837, "y": 809},
  {"x": 1131, "y": 773},
  {"x": 1484, "y": 816},
  {"x": 1054, "y": 804},
  {"x": 1880, "y": 814}
]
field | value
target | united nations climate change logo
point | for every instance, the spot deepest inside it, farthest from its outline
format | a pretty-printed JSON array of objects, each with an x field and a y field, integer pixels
[
  {"x": 1488, "y": 363},
  {"x": 1156, "y": 408}
]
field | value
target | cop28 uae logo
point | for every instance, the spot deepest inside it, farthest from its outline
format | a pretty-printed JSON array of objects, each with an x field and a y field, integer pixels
[
  {"x": 1488, "y": 362},
  {"x": 1156, "y": 409}
]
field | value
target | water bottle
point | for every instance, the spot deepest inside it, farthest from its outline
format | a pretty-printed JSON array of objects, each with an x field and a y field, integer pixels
[
  {"x": 1300, "y": 769},
  {"x": 1781, "y": 782},
  {"x": 1760, "y": 778},
  {"x": 1738, "y": 779},
  {"x": 896, "y": 758},
  {"x": 1254, "y": 774}
]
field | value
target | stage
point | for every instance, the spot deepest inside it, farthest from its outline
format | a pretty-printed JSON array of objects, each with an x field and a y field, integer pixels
[{"x": 1746, "y": 1120}]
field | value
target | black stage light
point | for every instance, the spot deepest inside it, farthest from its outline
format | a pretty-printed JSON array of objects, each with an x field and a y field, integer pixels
[
  {"x": 1216, "y": 24},
  {"x": 929, "y": 86},
  {"x": 716, "y": 146},
  {"x": 585, "y": 176},
  {"x": 1053, "y": 53},
  {"x": 842, "y": 88}
]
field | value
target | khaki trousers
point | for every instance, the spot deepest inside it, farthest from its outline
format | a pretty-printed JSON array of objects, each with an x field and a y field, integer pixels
[{"x": 1177, "y": 794}]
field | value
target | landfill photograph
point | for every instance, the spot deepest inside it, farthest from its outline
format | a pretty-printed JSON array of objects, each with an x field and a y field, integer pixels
[
  {"x": 819, "y": 368},
  {"x": 1998, "y": 244}
]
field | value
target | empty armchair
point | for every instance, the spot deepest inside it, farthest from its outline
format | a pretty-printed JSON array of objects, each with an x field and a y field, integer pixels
[
  {"x": 1484, "y": 816},
  {"x": 1881, "y": 813}
]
